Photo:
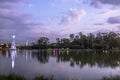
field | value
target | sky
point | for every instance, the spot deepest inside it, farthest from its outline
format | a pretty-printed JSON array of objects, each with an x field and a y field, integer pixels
[{"x": 31, "y": 19}]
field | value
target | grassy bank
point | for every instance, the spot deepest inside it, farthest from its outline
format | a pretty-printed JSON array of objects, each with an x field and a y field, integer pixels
[
  {"x": 18, "y": 77},
  {"x": 112, "y": 78},
  {"x": 41, "y": 77}
]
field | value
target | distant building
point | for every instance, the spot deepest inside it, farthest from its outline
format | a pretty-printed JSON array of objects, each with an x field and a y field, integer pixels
[
  {"x": 27, "y": 43},
  {"x": 4, "y": 45}
]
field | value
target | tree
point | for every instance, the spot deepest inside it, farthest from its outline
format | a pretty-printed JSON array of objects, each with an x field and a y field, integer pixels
[
  {"x": 91, "y": 38},
  {"x": 76, "y": 40},
  {"x": 58, "y": 41},
  {"x": 80, "y": 34},
  {"x": 66, "y": 42},
  {"x": 43, "y": 42},
  {"x": 71, "y": 37}
]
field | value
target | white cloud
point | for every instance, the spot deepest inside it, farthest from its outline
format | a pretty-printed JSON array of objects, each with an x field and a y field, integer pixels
[
  {"x": 110, "y": 12},
  {"x": 72, "y": 16}
]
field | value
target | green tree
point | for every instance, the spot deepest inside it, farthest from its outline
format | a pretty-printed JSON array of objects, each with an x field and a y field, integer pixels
[
  {"x": 43, "y": 42},
  {"x": 71, "y": 37},
  {"x": 65, "y": 42}
]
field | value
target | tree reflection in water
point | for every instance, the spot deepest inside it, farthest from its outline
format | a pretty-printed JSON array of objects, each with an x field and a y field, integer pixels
[
  {"x": 101, "y": 58},
  {"x": 41, "y": 55}
]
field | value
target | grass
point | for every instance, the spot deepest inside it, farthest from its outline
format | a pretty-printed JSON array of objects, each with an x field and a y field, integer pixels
[
  {"x": 13, "y": 76},
  {"x": 111, "y": 78},
  {"x": 43, "y": 78}
]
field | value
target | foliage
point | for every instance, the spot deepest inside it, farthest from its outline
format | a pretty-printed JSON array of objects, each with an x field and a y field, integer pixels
[{"x": 109, "y": 40}]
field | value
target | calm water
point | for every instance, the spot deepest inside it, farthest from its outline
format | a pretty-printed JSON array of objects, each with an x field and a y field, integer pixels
[{"x": 61, "y": 64}]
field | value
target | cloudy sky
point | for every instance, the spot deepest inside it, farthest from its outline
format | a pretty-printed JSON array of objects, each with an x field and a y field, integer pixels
[{"x": 30, "y": 19}]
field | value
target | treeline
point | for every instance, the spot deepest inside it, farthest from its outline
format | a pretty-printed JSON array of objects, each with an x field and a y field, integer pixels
[{"x": 109, "y": 40}]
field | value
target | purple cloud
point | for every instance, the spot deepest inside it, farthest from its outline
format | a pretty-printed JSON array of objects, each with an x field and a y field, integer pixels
[
  {"x": 113, "y": 2},
  {"x": 11, "y": 1},
  {"x": 118, "y": 27},
  {"x": 10, "y": 4},
  {"x": 96, "y": 4},
  {"x": 114, "y": 20},
  {"x": 22, "y": 25},
  {"x": 12, "y": 21},
  {"x": 99, "y": 3}
]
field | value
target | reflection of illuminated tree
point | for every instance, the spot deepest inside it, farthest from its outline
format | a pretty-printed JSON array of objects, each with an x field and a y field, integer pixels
[{"x": 13, "y": 53}]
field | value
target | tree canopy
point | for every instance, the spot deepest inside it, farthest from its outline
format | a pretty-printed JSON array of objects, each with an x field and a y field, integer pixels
[{"x": 109, "y": 40}]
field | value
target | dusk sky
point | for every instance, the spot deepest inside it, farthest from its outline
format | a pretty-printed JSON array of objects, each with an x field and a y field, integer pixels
[{"x": 31, "y": 19}]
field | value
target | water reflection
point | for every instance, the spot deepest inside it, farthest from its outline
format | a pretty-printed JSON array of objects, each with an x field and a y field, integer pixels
[
  {"x": 26, "y": 55},
  {"x": 80, "y": 58},
  {"x": 41, "y": 55},
  {"x": 13, "y": 53},
  {"x": 62, "y": 63}
]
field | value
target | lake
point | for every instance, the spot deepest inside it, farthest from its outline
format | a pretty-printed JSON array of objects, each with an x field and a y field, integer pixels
[{"x": 62, "y": 64}]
